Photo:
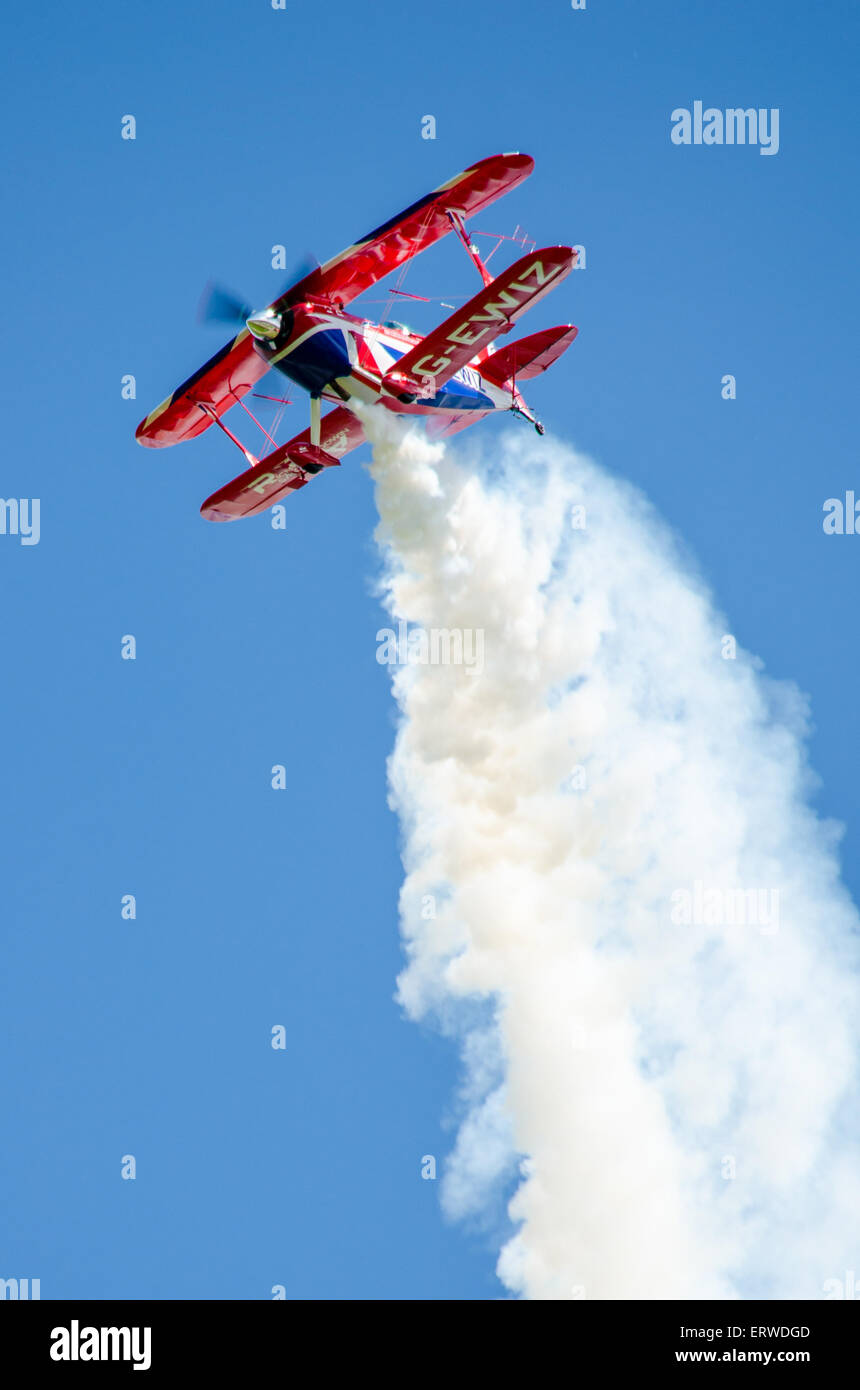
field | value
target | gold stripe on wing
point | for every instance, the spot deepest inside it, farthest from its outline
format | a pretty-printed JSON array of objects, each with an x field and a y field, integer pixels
[{"x": 159, "y": 410}]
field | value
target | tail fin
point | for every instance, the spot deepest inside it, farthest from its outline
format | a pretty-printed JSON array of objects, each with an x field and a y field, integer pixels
[{"x": 529, "y": 357}]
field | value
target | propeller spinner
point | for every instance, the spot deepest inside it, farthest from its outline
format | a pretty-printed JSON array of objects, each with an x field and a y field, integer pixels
[{"x": 219, "y": 305}]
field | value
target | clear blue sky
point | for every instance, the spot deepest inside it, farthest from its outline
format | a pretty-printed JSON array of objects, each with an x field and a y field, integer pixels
[{"x": 257, "y": 647}]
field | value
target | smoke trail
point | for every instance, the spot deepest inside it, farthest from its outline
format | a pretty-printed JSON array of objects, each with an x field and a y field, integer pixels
[{"x": 615, "y": 893}]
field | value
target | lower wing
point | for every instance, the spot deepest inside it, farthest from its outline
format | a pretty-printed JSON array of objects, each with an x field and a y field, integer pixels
[{"x": 285, "y": 470}]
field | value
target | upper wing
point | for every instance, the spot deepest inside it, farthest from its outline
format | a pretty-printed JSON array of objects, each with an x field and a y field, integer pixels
[
  {"x": 237, "y": 367},
  {"x": 492, "y": 311},
  {"x": 384, "y": 249},
  {"x": 219, "y": 383},
  {"x": 273, "y": 477}
]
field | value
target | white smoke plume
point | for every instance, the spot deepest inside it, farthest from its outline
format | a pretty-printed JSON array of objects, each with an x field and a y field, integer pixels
[{"x": 615, "y": 893}]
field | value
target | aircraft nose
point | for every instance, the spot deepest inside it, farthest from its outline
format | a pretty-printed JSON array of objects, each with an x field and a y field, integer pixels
[{"x": 265, "y": 326}]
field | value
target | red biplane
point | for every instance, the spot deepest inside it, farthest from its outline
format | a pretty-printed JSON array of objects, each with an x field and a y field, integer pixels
[{"x": 452, "y": 377}]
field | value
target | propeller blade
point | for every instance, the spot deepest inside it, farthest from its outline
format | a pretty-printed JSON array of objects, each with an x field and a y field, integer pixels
[
  {"x": 304, "y": 267},
  {"x": 219, "y": 305}
]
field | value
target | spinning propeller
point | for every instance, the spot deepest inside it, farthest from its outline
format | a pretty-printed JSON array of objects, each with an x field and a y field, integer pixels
[{"x": 220, "y": 305}]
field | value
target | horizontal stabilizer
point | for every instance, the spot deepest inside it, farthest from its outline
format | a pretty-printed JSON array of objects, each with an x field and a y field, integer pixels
[
  {"x": 492, "y": 311},
  {"x": 529, "y": 357},
  {"x": 287, "y": 469}
]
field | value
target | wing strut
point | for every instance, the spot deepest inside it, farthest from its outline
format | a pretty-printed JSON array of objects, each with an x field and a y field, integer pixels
[
  {"x": 208, "y": 410},
  {"x": 457, "y": 223}
]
